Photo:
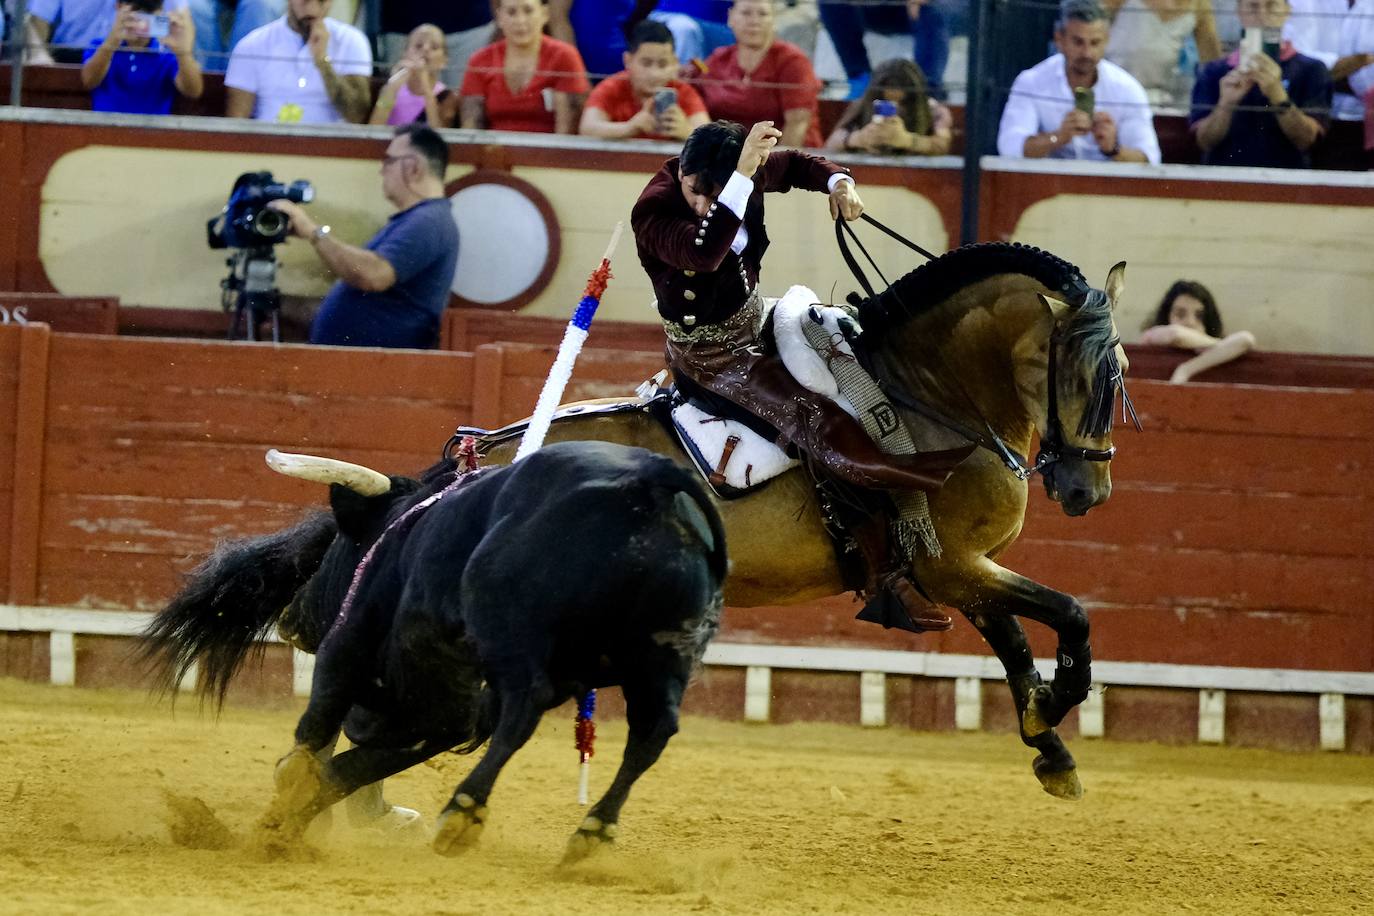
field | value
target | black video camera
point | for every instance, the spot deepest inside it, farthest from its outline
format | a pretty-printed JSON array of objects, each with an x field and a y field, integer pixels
[{"x": 247, "y": 221}]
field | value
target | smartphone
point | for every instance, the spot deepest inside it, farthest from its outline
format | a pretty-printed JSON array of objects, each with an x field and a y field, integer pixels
[
  {"x": 664, "y": 99},
  {"x": 1083, "y": 99},
  {"x": 152, "y": 25},
  {"x": 1271, "y": 41},
  {"x": 1251, "y": 45},
  {"x": 883, "y": 108}
]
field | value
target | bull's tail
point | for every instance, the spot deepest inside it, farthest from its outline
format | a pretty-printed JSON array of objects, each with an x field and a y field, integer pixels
[
  {"x": 228, "y": 604},
  {"x": 696, "y": 512}
]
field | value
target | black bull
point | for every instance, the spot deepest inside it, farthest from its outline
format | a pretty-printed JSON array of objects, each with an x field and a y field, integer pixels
[{"x": 584, "y": 565}]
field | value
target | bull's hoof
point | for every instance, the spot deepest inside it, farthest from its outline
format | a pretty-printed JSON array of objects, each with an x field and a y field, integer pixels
[
  {"x": 1033, "y": 724},
  {"x": 297, "y": 778},
  {"x": 1061, "y": 783},
  {"x": 460, "y": 827},
  {"x": 591, "y": 837}
]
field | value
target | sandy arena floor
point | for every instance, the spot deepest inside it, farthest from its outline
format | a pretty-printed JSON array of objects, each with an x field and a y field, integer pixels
[{"x": 735, "y": 819}]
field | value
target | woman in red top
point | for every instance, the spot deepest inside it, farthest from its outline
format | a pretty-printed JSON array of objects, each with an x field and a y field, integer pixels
[
  {"x": 762, "y": 78},
  {"x": 527, "y": 80}
]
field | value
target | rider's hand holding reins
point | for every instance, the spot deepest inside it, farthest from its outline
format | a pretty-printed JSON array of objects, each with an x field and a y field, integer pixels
[
  {"x": 844, "y": 201},
  {"x": 763, "y": 136}
]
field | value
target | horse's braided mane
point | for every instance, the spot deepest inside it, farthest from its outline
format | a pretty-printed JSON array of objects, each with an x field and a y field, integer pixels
[{"x": 934, "y": 282}]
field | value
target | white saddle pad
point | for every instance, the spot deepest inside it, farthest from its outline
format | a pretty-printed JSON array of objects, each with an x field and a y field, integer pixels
[
  {"x": 801, "y": 359},
  {"x": 753, "y": 461}
]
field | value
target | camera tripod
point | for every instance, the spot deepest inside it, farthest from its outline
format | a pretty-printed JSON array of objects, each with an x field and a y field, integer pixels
[{"x": 250, "y": 292}]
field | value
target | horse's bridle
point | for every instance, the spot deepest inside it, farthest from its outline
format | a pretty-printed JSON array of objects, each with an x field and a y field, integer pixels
[{"x": 1053, "y": 448}]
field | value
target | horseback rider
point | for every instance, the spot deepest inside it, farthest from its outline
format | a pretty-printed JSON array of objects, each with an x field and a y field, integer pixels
[{"x": 699, "y": 229}]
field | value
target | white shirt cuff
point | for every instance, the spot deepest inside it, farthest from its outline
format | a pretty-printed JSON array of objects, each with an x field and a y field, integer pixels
[
  {"x": 836, "y": 179},
  {"x": 735, "y": 195}
]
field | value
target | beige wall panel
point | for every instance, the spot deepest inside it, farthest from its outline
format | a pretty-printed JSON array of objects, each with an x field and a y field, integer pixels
[
  {"x": 1299, "y": 276},
  {"x": 130, "y": 222},
  {"x": 802, "y": 250}
]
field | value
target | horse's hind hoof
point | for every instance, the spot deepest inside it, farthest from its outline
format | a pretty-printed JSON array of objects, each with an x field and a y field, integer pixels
[
  {"x": 1033, "y": 724},
  {"x": 590, "y": 838},
  {"x": 459, "y": 827},
  {"x": 1060, "y": 784}
]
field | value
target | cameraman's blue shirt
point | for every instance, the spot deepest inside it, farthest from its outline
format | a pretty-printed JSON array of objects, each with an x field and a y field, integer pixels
[{"x": 421, "y": 244}]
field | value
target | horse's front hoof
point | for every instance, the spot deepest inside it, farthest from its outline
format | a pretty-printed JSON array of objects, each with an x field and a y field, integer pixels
[
  {"x": 589, "y": 839},
  {"x": 1033, "y": 723},
  {"x": 398, "y": 820},
  {"x": 1061, "y": 783},
  {"x": 297, "y": 778},
  {"x": 460, "y": 827}
]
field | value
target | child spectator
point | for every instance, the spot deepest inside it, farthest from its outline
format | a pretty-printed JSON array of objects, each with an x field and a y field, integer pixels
[
  {"x": 623, "y": 106},
  {"x": 919, "y": 125},
  {"x": 762, "y": 78},
  {"x": 1188, "y": 319},
  {"x": 415, "y": 91},
  {"x": 526, "y": 80},
  {"x": 131, "y": 71}
]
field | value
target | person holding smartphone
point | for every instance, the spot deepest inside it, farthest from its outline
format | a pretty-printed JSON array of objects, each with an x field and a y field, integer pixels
[
  {"x": 1074, "y": 104},
  {"x": 1265, "y": 104},
  {"x": 144, "y": 61},
  {"x": 645, "y": 100}
]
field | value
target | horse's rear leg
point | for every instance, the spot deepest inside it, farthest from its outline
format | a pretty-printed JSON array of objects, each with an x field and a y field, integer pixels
[
  {"x": 461, "y": 821},
  {"x": 1054, "y": 766},
  {"x": 652, "y": 702}
]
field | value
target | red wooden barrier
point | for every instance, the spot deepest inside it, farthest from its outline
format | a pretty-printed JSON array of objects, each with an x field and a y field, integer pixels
[{"x": 76, "y": 314}]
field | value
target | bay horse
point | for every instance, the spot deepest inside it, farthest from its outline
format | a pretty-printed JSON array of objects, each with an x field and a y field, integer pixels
[{"x": 1002, "y": 341}]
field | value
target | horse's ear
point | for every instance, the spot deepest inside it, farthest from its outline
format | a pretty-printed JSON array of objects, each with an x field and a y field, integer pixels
[
  {"x": 1116, "y": 283},
  {"x": 1057, "y": 308}
]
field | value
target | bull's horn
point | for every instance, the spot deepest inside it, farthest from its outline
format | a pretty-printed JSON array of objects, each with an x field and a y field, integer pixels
[{"x": 357, "y": 478}]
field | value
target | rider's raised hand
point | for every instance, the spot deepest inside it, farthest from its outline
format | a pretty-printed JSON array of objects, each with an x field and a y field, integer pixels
[
  {"x": 844, "y": 201},
  {"x": 763, "y": 136}
]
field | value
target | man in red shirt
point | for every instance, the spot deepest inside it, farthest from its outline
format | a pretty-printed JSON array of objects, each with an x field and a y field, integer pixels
[{"x": 628, "y": 106}]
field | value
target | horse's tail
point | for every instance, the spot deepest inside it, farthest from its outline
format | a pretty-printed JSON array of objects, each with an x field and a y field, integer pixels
[{"x": 229, "y": 602}]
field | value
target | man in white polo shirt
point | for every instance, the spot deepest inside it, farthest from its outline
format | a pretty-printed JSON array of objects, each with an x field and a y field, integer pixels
[
  {"x": 303, "y": 67},
  {"x": 1075, "y": 105}
]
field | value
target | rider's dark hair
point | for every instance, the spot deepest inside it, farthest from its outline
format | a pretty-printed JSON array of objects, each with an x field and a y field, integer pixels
[
  {"x": 648, "y": 32},
  {"x": 712, "y": 151},
  {"x": 431, "y": 147},
  {"x": 1211, "y": 315}
]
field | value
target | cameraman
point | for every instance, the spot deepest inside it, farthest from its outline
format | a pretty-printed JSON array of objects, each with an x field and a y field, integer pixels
[{"x": 392, "y": 292}]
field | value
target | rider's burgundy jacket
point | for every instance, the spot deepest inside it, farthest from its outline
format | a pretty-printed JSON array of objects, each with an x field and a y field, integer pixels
[{"x": 688, "y": 258}]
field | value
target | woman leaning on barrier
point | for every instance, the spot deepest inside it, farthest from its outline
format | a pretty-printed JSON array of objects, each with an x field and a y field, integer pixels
[{"x": 1188, "y": 319}]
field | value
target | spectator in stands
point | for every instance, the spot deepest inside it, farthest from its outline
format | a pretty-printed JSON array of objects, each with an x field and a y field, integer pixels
[
  {"x": 213, "y": 44},
  {"x": 131, "y": 71},
  {"x": 1252, "y": 109},
  {"x": 699, "y": 27},
  {"x": 626, "y": 106},
  {"x": 1150, "y": 41},
  {"x": 526, "y": 80},
  {"x": 847, "y": 22},
  {"x": 1188, "y": 319},
  {"x": 598, "y": 29},
  {"x": 1357, "y": 39},
  {"x": 466, "y": 26},
  {"x": 415, "y": 91},
  {"x": 762, "y": 78},
  {"x": 920, "y": 125},
  {"x": 1074, "y": 104},
  {"x": 1316, "y": 28},
  {"x": 393, "y": 291},
  {"x": 71, "y": 26},
  {"x": 303, "y": 67}
]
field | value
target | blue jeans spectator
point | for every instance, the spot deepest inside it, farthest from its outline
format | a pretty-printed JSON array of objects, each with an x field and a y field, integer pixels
[
  {"x": 929, "y": 33},
  {"x": 693, "y": 38},
  {"x": 211, "y": 47}
]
